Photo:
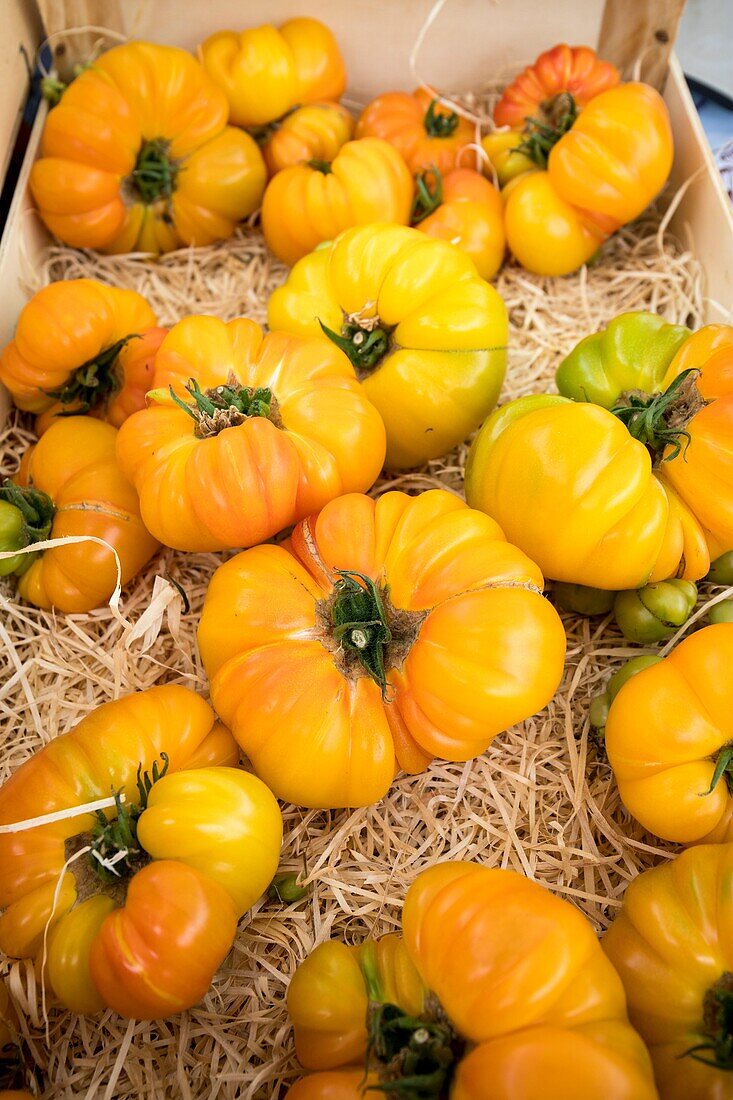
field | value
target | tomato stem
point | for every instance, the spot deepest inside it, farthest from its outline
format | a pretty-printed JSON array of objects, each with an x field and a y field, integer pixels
[
  {"x": 439, "y": 125},
  {"x": 93, "y": 381},
  {"x": 660, "y": 420},
  {"x": 723, "y": 767},
  {"x": 542, "y": 134},
  {"x": 365, "y": 345},
  {"x": 427, "y": 199},
  {"x": 360, "y": 622},
  {"x": 717, "y": 1008},
  {"x": 226, "y": 406},
  {"x": 414, "y": 1055},
  {"x": 115, "y": 850},
  {"x": 320, "y": 166},
  {"x": 155, "y": 171}
]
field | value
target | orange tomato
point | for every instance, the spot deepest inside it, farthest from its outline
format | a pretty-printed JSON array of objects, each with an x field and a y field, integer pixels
[
  {"x": 79, "y": 347},
  {"x": 426, "y": 132},
  {"x": 142, "y": 920},
  {"x": 137, "y": 156},
  {"x": 466, "y": 209},
  {"x": 69, "y": 485},
  {"x": 600, "y": 150},
  {"x": 304, "y": 205},
  {"x": 499, "y": 991},
  {"x": 359, "y": 648},
  {"x": 267, "y": 71},
  {"x": 288, "y": 428},
  {"x": 315, "y": 132}
]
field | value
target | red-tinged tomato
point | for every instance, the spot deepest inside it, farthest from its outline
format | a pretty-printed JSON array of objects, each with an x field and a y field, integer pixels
[
  {"x": 423, "y": 129},
  {"x": 463, "y": 208},
  {"x": 144, "y": 915}
]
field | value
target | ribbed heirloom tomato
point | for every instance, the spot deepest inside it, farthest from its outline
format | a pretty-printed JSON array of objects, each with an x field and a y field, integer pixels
[
  {"x": 671, "y": 945},
  {"x": 315, "y": 132},
  {"x": 142, "y": 920},
  {"x": 384, "y": 634},
  {"x": 79, "y": 347},
  {"x": 70, "y": 485},
  {"x": 668, "y": 737},
  {"x": 138, "y": 156},
  {"x": 267, "y": 71},
  {"x": 427, "y": 336},
  {"x": 425, "y": 132},
  {"x": 499, "y": 991},
  {"x": 367, "y": 181},
  {"x": 628, "y": 477},
  {"x": 585, "y": 155},
  {"x": 246, "y": 434},
  {"x": 466, "y": 209}
]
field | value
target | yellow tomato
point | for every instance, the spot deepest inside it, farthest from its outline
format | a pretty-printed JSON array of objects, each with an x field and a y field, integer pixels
[
  {"x": 668, "y": 736},
  {"x": 672, "y": 946},
  {"x": 137, "y": 156},
  {"x": 266, "y": 71},
  {"x": 304, "y": 205},
  {"x": 426, "y": 334},
  {"x": 499, "y": 991}
]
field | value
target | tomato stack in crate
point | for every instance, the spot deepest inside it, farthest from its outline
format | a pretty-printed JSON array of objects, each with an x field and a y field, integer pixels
[{"x": 367, "y": 544}]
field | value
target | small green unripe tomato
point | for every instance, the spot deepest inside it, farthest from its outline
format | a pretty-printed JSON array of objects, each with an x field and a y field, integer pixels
[
  {"x": 653, "y": 613},
  {"x": 12, "y": 537},
  {"x": 721, "y": 570},
  {"x": 284, "y": 888},
  {"x": 721, "y": 612},
  {"x": 582, "y": 600}
]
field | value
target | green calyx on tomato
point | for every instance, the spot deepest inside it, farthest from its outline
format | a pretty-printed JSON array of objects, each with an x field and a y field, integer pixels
[
  {"x": 93, "y": 381},
  {"x": 660, "y": 420},
  {"x": 365, "y": 344},
  {"x": 323, "y": 166},
  {"x": 723, "y": 767},
  {"x": 717, "y": 1012},
  {"x": 653, "y": 613},
  {"x": 365, "y": 632},
  {"x": 601, "y": 705},
  {"x": 541, "y": 134},
  {"x": 439, "y": 124},
  {"x": 155, "y": 171},
  {"x": 116, "y": 853},
  {"x": 26, "y": 516},
  {"x": 222, "y": 407},
  {"x": 428, "y": 197},
  {"x": 414, "y": 1056}
]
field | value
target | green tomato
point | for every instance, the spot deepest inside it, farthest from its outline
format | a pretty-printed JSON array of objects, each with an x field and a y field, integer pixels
[
  {"x": 632, "y": 353},
  {"x": 721, "y": 612},
  {"x": 12, "y": 537},
  {"x": 721, "y": 570},
  {"x": 653, "y": 613},
  {"x": 583, "y": 600}
]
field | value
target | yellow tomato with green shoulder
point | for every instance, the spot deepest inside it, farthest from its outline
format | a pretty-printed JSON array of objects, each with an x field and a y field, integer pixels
[
  {"x": 426, "y": 335},
  {"x": 625, "y": 478}
]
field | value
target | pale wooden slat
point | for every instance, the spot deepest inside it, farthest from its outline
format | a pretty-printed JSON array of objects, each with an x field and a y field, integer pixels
[{"x": 643, "y": 32}]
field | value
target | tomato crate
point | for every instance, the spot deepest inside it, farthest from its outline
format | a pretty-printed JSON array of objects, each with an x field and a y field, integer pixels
[{"x": 541, "y": 799}]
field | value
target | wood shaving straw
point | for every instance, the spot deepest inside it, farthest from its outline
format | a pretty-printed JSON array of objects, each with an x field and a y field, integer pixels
[{"x": 540, "y": 800}]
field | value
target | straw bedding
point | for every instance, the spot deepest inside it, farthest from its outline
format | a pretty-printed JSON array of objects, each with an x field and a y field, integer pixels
[{"x": 540, "y": 800}]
